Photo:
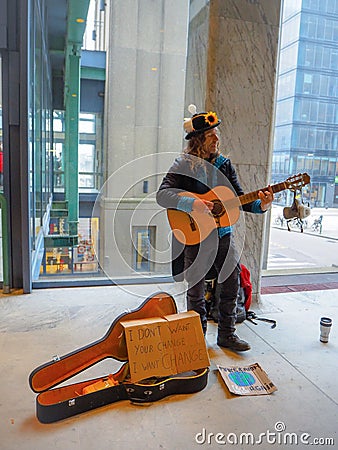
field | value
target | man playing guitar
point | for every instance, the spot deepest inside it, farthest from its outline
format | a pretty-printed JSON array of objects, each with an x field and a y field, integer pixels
[{"x": 199, "y": 244}]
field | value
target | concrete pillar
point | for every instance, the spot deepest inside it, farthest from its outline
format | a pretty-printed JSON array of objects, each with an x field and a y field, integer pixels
[
  {"x": 144, "y": 109},
  {"x": 232, "y": 66}
]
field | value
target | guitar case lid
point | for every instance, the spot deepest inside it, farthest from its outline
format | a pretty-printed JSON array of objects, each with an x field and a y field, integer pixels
[
  {"x": 66, "y": 401},
  {"x": 112, "y": 345}
]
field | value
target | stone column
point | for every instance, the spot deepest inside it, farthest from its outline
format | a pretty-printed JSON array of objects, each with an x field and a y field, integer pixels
[
  {"x": 144, "y": 103},
  {"x": 239, "y": 48}
]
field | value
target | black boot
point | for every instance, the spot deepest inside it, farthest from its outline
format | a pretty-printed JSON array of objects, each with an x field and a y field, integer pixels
[{"x": 233, "y": 342}]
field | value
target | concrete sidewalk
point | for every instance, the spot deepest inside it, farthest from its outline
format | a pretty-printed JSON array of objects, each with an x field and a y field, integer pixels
[{"x": 57, "y": 321}]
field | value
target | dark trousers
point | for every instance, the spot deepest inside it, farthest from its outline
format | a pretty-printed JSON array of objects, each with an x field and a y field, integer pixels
[{"x": 198, "y": 259}]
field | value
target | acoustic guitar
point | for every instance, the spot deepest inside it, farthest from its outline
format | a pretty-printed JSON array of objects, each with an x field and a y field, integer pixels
[{"x": 192, "y": 228}]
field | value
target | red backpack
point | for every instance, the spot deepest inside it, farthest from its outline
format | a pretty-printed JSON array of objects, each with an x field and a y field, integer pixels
[{"x": 244, "y": 297}]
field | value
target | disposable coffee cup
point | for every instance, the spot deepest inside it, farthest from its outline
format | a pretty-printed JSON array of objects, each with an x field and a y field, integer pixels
[{"x": 325, "y": 328}]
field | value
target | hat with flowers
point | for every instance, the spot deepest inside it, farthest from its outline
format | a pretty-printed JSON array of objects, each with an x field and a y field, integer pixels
[{"x": 199, "y": 122}]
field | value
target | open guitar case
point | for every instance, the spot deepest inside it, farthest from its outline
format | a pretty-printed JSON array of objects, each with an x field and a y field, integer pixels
[{"x": 53, "y": 404}]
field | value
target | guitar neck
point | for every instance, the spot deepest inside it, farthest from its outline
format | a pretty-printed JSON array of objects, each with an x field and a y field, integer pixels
[{"x": 252, "y": 196}]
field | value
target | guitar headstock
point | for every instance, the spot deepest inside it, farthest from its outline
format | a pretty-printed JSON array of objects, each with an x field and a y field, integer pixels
[{"x": 297, "y": 181}]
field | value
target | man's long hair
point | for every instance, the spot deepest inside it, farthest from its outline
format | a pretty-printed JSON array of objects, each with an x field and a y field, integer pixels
[{"x": 195, "y": 147}]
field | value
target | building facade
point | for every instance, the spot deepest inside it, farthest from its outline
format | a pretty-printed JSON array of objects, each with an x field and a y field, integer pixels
[
  {"x": 87, "y": 135},
  {"x": 306, "y": 128}
]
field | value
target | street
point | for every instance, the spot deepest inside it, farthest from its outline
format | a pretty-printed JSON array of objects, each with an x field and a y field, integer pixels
[{"x": 310, "y": 249}]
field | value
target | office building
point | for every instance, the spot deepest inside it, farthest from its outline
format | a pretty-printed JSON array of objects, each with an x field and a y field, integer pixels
[{"x": 306, "y": 128}]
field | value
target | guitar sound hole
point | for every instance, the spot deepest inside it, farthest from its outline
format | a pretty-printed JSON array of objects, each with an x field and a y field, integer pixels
[{"x": 218, "y": 209}]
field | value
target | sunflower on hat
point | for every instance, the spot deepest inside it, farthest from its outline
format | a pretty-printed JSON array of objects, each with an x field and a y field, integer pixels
[{"x": 211, "y": 118}]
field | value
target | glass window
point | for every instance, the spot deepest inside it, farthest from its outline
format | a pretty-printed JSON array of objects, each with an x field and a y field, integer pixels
[
  {"x": 315, "y": 83},
  {"x": 324, "y": 166},
  {"x": 291, "y": 7},
  {"x": 293, "y": 164},
  {"x": 329, "y": 113},
  {"x": 87, "y": 123},
  {"x": 1, "y": 134},
  {"x": 86, "y": 165},
  {"x": 331, "y": 172},
  {"x": 306, "y": 55},
  {"x": 316, "y": 166},
  {"x": 307, "y": 87},
  {"x": 39, "y": 136},
  {"x": 300, "y": 163},
  {"x": 302, "y": 110},
  {"x": 290, "y": 31},
  {"x": 332, "y": 6},
  {"x": 144, "y": 240},
  {"x": 308, "y": 163},
  {"x": 284, "y": 111},
  {"x": 334, "y": 59},
  {"x": 313, "y": 111},
  {"x": 335, "y": 31},
  {"x": 90, "y": 149},
  {"x": 311, "y": 143},
  {"x": 320, "y": 28},
  {"x": 282, "y": 137},
  {"x": 58, "y": 124},
  {"x": 78, "y": 259},
  {"x": 303, "y": 137},
  {"x": 318, "y": 56},
  {"x": 326, "y": 57},
  {"x": 320, "y": 139},
  {"x": 324, "y": 80},
  {"x": 333, "y": 86},
  {"x": 328, "y": 29},
  {"x": 328, "y": 145},
  {"x": 321, "y": 112},
  {"x": 323, "y": 6},
  {"x": 286, "y": 163},
  {"x": 309, "y": 26},
  {"x": 286, "y": 85},
  {"x": 314, "y": 4},
  {"x": 288, "y": 58}
]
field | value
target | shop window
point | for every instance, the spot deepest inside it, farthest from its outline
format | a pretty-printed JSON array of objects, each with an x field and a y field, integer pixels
[
  {"x": 81, "y": 258},
  {"x": 143, "y": 242}
]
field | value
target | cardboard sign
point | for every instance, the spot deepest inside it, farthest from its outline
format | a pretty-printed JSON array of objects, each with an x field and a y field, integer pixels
[
  {"x": 165, "y": 346},
  {"x": 250, "y": 380}
]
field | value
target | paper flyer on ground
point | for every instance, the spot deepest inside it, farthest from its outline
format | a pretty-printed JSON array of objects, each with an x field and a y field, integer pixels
[{"x": 247, "y": 380}]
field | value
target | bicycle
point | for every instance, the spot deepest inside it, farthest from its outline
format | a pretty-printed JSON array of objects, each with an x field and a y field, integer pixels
[
  {"x": 279, "y": 221},
  {"x": 317, "y": 225}
]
